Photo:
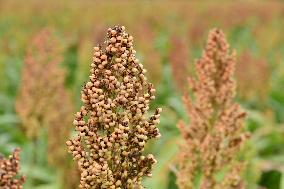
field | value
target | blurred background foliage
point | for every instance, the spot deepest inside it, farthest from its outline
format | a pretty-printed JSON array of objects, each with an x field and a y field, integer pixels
[{"x": 169, "y": 36}]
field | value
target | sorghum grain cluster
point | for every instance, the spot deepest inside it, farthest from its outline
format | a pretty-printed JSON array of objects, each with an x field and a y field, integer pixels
[
  {"x": 215, "y": 134},
  {"x": 151, "y": 57},
  {"x": 255, "y": 68},
  {"x": 42, "y": 101},
  {"x": 112, "y": 125},
  {"x": 9, "y": 172},
  {"x": 43, "y": 105},
  {"x": 178, "y": 57}
]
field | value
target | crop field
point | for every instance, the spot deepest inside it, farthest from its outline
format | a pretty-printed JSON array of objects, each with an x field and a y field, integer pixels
[{"x": 141, "y": 94}]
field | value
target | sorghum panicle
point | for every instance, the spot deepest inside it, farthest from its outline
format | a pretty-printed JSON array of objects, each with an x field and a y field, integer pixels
[
  {"x": 42, "y": 102},
  {"x": 9, "y": 172},
  {"x": 112, "y": 125},
  {"x": 255, "y": 68},
  {"x": 145, "y": 35},
  {"x": 41, "y": 77},
  {"x": 215, "y": 133},
  {"x": 178, "y": 58}
]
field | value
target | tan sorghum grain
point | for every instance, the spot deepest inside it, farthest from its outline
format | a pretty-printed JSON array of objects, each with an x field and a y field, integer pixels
[
  {"x": 112, "y": 125},
  {"x": 9, "y": 172}
]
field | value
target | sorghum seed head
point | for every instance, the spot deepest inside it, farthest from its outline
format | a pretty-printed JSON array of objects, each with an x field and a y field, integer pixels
[
  {"x": 216, "y": 121},
  {"x": 112, "y": 124},
  {"x": 9, "y": 170}
]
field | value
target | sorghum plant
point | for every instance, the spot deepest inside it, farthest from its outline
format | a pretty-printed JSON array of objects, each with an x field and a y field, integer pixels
[
  {"x": 255, "y": 68},
  {"x": 178, "y": 57},
  {"x": 9, "y": 172},
  {"x": 42, "y": 101},
  {"x": 112, "y": 125},
  {"x": 43, "y": 104},
  {"x": 215, "y": 134},
  {"x": 145, "y": 35}
]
